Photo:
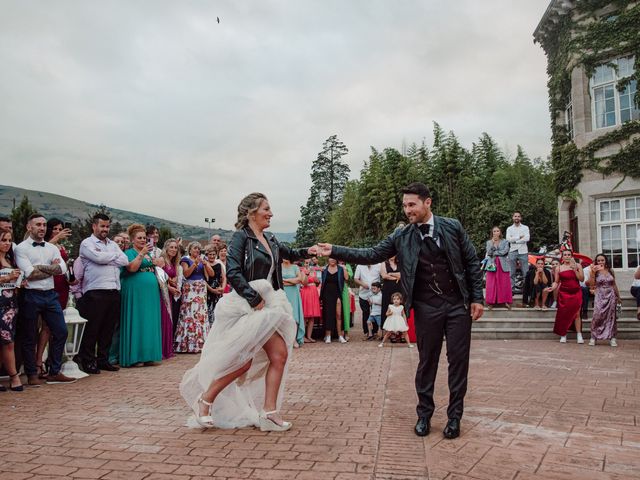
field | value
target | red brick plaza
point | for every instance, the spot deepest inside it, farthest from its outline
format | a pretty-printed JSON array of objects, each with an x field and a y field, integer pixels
[{"x": 536, "y": 409}]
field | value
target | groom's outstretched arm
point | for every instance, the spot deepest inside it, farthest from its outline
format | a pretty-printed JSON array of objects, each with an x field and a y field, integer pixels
[{"x": 362, "y": 256}]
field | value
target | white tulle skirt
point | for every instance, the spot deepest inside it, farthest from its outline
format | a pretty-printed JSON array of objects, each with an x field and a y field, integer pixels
[{"x": 236, "y": 337}]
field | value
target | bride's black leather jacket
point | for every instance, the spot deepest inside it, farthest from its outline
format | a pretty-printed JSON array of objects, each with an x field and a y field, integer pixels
[{"x": 248, "y": 260}]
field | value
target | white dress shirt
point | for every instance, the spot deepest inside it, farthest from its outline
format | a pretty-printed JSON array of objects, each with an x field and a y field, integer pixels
[
  {"x": 513, "y": 237},
  {"x": 28, "y": 256},
  {"x": 102, "y": 262},
  {"x": 367, "y": 274},
  {"x": 432, "y": 225}
]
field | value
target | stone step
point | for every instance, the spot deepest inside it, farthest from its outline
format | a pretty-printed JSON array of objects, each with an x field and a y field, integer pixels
[
  {"x": 515, "y": 312},
  {"x": 627, "y": 300},
  {"x": 542, "y": 334},
  {"x": 541, "y": 327}
]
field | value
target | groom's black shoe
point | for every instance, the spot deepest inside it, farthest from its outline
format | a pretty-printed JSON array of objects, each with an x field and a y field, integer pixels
[
  {"x": 452, "y": 430},
  {"x": 422, "y": 427}
]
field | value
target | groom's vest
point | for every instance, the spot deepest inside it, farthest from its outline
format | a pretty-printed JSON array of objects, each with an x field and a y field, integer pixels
[{"x": 434, "y": 282}]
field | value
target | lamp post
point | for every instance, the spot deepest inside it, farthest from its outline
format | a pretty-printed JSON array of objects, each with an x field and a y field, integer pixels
[
  {"x": 73, "y": 319},
  {"x": 209, "y": 221}
]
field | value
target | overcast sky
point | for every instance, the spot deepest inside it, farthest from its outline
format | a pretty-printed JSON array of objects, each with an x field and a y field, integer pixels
[{"x": 153, "y": 106}]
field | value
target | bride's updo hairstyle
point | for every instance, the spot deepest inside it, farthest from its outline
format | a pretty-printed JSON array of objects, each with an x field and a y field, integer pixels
[{"x": 248, "y": 205}]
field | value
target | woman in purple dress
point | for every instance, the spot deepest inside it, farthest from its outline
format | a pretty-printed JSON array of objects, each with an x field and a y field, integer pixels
[
  {"x": 167, "y": 299},
  {"x": 604, "y": 325}
]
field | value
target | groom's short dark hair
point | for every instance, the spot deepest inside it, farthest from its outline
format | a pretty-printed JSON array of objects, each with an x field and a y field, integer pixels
[{"x": 417, "y": 188}]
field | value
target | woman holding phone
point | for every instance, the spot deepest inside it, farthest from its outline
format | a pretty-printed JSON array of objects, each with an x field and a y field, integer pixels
[
  {"x": 140, "y": 334},
  {"x": 193, "y": 322}
]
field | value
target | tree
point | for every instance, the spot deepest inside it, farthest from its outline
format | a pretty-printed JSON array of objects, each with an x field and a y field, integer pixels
[
  {"x": 480, "y": 187},
  {"x": 19, "y": 217},
  {"x": 165, "y": 234},
  {"x": 329, "y": 176}
]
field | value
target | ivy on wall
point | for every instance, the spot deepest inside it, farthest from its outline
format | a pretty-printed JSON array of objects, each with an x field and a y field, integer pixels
[{"x": 598, "y": 31}]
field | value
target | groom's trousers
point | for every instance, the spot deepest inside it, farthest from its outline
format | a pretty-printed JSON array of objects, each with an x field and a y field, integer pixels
[{"x": 453, "y": 321}]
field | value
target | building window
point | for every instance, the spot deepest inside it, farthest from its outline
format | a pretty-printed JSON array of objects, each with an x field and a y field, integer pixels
[
  {"x": 568, "y": 119},
  {"x": 609, "y": 105},
  {"x": 619, "y": 231}
]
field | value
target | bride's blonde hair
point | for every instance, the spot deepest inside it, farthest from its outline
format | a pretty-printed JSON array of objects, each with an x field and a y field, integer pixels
[{"x": 248, "y": 205}]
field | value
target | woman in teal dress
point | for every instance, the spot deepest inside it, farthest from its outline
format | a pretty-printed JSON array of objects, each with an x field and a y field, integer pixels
[
  {"x": 293, "y": 278},
  {"x": 140, "y": 332}
]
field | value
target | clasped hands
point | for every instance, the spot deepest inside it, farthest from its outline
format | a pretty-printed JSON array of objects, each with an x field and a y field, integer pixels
[{"x": 320, "y": 250}]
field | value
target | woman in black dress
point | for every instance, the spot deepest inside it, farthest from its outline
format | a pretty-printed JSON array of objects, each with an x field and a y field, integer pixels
[
  {"x": 390, "y": 274},
  {"x": 330, "y": 299}
]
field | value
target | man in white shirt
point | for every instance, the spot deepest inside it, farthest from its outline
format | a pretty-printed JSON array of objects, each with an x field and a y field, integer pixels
[
  {"x": 365, "y": 275},
  {"x": 100, "y": 303},
  {"x": 518, "y": 236},
  {"x": 40, "y": 261}
]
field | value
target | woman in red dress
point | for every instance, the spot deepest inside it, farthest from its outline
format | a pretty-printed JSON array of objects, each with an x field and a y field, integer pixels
[
  {"x": 310, "y": 300},
  {"x": 567, "y": 278}
]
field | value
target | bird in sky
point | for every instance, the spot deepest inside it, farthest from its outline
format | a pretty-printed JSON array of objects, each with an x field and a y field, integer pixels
[{"x": 218, "y": 19}]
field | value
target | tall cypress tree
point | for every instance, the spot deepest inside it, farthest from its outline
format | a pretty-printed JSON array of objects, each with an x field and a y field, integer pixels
[{"x": 329, "y": 176}]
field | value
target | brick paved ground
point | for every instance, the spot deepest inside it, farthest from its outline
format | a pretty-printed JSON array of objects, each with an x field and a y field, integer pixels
[{"x": 536, "y": 410}]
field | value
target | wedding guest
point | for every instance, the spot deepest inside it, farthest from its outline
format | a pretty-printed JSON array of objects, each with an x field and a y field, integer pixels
[
  {"x": 140, "y": 333},
  {"x": 75, "y": 288},
  {"x": 40, "y": 261},
  {"x": 568, "y": 276},
  {"x": 518, "y": 236},
  {"x": 9, "y": 278},
  {"x": 119, "y": 240},
  {"x": 222, "y": 258},
  {"x": 292, "y": 278},
  {"x": 215, "y": 241},
  {"x": 604, "y": 324},
  {"x": 555, "y": 265},
  {"x": 6, "y": 224},
  {"x": 541, "y": 285},
  {"x": 635, "y": 290},
  {"x": 215, "y": 285},
  {"x": 310, "y": 299},
  {"x": 55, "y": 234},
  {"x": 193, "y": 321},
  {"x": 330, "y": 295},
  {"x": 390, "y": 274},
  {"x": 365, "y": 275},
  {"x": 126, "y": 240},
  {"x": 345, "y": 300},
  {"x": 171, "y": 256},
  {"x": 101, "y": 259},
  {"x": 153, "y": 235},
  {"x": 497, "y": 266}
]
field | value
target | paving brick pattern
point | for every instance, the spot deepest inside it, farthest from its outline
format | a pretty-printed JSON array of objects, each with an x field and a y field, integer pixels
[{"x": 535, "y": 410}]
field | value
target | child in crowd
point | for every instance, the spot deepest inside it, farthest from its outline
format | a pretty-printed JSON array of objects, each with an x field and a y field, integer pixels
[
  {"x": 396, "y": 321},
  {"x": 375, "y": 300}
]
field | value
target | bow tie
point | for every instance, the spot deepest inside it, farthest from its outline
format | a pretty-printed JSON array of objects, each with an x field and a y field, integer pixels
[
  {"x": 424, "y": 229},
  {"x": 38, "y": 244}
]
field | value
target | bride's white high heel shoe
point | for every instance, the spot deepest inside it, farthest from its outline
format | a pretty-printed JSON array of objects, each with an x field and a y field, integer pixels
[
  {"x": 205, "y": 421},
  {"x": 268, "y": 425}
]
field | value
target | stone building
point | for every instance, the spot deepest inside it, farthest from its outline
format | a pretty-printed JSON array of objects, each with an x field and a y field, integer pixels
[{"x": 593, "y": 75}]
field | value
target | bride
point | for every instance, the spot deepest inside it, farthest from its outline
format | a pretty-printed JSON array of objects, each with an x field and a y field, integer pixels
[{"x": 243, "y": 364}]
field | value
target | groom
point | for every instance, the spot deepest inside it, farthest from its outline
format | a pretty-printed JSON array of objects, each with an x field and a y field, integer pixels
[{"x": 441, "y": 280}]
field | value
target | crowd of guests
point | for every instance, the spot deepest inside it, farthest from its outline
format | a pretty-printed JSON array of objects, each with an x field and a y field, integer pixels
[
  {"x": 557, "y": 281},
  {"x": 143, "y": 303}
]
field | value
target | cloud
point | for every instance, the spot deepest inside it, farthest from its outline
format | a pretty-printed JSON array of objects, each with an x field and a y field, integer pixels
[{"x": 153, "y": 106}]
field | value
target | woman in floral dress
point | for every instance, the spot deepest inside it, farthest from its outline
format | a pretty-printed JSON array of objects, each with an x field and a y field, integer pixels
[{"x": 193, "y": 323}]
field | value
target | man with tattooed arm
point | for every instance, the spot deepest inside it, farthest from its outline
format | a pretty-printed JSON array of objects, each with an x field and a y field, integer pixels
[{"x": 40, "y": 261}]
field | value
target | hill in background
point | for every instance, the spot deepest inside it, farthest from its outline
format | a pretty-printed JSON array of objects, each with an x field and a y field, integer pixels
[{"x": 71, "y": 210}]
